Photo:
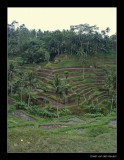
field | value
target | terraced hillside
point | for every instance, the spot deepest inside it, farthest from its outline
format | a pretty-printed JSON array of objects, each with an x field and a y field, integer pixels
[
  {"x": 90, "y": 88},
  {"x": 78, "y": 129}
]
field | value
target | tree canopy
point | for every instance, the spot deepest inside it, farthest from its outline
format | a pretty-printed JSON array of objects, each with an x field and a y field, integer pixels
[{"x": 37, "y": 46}]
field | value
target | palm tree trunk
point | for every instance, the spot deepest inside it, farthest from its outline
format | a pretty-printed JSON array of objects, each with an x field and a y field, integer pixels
[
  {"x": 65, "y": 100},
  {"x": 83, "y": 71},
  {"x": 29, "y": 100},
  {"x": 21, "y": 94},
  {"x": 112, "y": 104},
  {"x": 11, "y": 89},
  {"x": 58, "y": 49},
  {"x": 71, "y": 50},
  {"x": 57, "y": 109},
  {"x": 78, "y": 102}
]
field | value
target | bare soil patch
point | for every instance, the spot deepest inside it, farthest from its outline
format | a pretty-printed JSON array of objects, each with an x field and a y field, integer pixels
[
  {"x": 22, "y": 115},
  {"x": 80, "y": 130},
  {"x": 113, "y": 123},
  {"x": 49, "y": 127},
  {"x": 75, "y": 119}
]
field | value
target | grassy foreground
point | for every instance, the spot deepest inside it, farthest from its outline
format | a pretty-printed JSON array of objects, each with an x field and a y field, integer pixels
[
  {"x": 35, "y": 140},
  {"x": 91, "y": 135}
]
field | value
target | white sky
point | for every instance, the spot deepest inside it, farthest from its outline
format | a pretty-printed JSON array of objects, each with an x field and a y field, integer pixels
[{"x": 51, "y": 18}]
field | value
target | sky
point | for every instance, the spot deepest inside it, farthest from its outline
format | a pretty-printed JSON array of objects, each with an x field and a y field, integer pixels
[{"x": 50, "y": 18}]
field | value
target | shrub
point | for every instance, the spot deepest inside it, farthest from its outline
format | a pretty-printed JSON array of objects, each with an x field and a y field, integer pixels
[
  {"x": 92, "y": 109},
  {"x": 10, "y": 108},
  {"x": 56, "y": 61},
  {"x": 65, "y": 112},
  {"x": 41, "y": 112},
  {"x": 50, "y": 108},
  {"x": 48, "y": 65},
  {"x": 33, "y": 110},
  {"x": 45, "y": 113},
  {"x": 90, "y": 115},
  {"x": 95, "y": 109},
  {"x": 21, "y": 105}
]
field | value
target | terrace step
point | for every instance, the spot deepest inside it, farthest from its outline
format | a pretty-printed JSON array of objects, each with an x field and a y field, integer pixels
[
  {"x": 94, "y": 97},
  {"x": 53, "y": 101}
]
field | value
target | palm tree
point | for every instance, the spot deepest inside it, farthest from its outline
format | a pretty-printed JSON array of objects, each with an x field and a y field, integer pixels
[
  {"x": 66, "y": 91},
  {"x": 84, "y": 56},
  {"x": 107, "y": 30},
  {"x": 66, "y": 73},
  {"x": 78, "y": 98},
  {"x": 21, "y": 82},
  {"x": 11, "y": 72},
  {"x": 31, "y": 81},
  {"x": 58, "y": 89}
]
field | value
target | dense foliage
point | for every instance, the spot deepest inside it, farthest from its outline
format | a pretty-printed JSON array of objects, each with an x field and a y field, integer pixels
[{"x": 37, "y": 46}]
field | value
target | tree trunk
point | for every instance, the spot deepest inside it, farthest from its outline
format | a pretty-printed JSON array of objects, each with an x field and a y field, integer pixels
[
  {"x": 78, "y": 102},
  {"x": 58, "y": 49},
  {"x": 83, "y": 71},
  {"x": 71, "y": 50},
  {"x": 57, "y": 109},
  {"x": 21, "y": 94},
  {"x": 65, "y": 100},
  {"x": 108, "y": 92},
  {"x": 112, "y": 104},
  {"x": 29, "y": 99},
  {"x": 11, "y": 89}
]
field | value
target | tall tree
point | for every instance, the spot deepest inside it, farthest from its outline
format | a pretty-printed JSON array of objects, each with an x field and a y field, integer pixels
[
  {"x": 11, "y": 74},
  {"x": 58, "y": 90},
  {"x": 21, "y": 82},
  {"x": 31, "y": 82},
  {"x": 66, "y": 73}
]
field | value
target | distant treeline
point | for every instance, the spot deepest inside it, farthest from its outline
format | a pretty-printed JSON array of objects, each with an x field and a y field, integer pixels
[{"x": 37, "y": 46}]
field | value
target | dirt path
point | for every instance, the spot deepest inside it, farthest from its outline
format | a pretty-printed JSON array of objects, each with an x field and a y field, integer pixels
[
  {"x": 22, "y": 115},
  {"x": 71, "y": 121}
]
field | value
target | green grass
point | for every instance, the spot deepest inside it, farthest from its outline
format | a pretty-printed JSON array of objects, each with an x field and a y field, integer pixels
[
  {"x": 64, "y": 64},
  {"x": 97, "y": 137}
]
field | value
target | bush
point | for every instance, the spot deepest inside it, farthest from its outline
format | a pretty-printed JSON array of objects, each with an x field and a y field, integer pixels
[
  {"x": 45, "y": 113},
  {"x": 33, "y": 110},
  {"x": 50, "y": 108},
  {"x": 95, "y": 109},
  {"x": 41, "y": 112},
  {"x": 56, "y": 61},
  {"x": 90, "y": 115},
  {"x": 92, "y": 109},
  {"x": 48, "y": 65},
  {"x": 65, "y": 112},
  {"x": 21, "y": 105},
  {"x": 10, "y": 108}
]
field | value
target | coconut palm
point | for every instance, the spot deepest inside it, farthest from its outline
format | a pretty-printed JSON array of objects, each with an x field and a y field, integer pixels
[
  {"x": 21, "y": 81},
  {"x": 78, "y": 97},
  {"x": 31, "y": 82},
  {"x": 11, "y": 73},
  {"x": 58, "y": 89},
  {"x": 66, "y": 91}
]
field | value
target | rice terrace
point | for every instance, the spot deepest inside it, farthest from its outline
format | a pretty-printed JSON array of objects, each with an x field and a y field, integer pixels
[{"x": 61, "y": 90}]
